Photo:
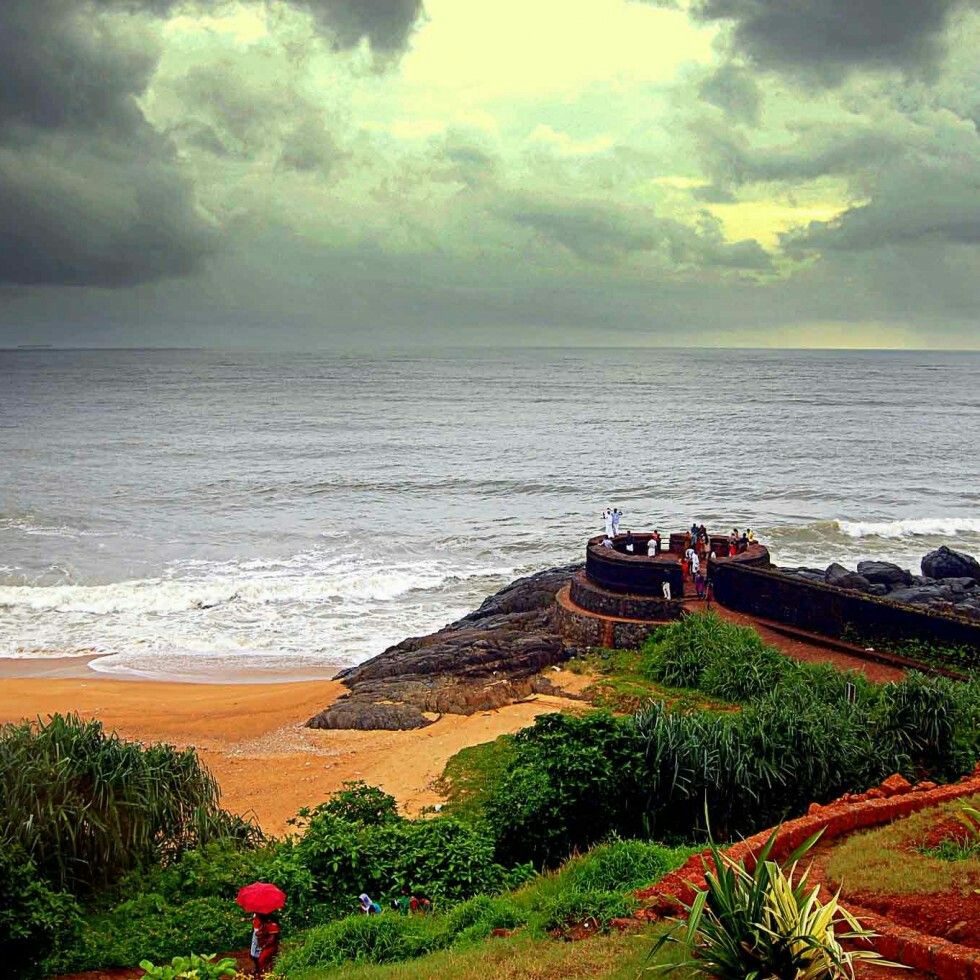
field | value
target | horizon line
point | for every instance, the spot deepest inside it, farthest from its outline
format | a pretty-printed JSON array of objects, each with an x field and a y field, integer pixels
[{"x": 49, "y": 348}]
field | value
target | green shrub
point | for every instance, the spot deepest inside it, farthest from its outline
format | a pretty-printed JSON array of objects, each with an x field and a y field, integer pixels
[
  {"x": 359, "y": 803},
  {"x": 88, "y": 806},
  {"x": 34, "y": 918},
  {"x": 441, "y": 858},
  {"x": 477, "y": 917},
  {"x": 623, "y": 865},
  {"x": 385, "y": 938},
  {"x": 572, "y": 781},
  {"x": 148, "y": 927},
  {"x": 193, "y": 966},
  {"x": 572, "y": 906}
]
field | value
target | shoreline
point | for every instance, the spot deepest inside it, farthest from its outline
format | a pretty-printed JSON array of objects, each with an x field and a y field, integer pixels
[
  {"x": 80, "y": 668},
  {"x": 252, "y": 736}
]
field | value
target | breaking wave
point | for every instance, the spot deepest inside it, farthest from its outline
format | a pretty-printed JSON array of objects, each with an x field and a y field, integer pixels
[{"x": 911, "y": 527}]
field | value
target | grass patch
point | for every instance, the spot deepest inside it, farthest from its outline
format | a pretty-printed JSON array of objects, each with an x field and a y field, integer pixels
[
  {"x": 471, "y": 774},
  {"x": 951, "y": 850},
  {"x": 616, "y": 956},
  {"x": 592, "y": 889},
  {"x": 622, "y": 684},
  {"x": 886, "y": 860}
]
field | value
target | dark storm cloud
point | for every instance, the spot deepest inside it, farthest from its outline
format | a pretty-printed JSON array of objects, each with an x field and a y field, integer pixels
[
  {"x": 597, "y": 232},
  {"x": 90, "y": 193},
  {"x": 61, "y": 67},
  {"x": 79, "y": 216},
  {"x": 825, "y": 36},
  {"x": 911, "y": 204},
  {"x": 734, "y": 90},
  {"x": 731, "y": 159},
  {"x": 387, "y": 24}
]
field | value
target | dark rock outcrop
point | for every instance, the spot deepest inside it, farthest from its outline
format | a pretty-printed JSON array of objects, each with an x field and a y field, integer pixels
[
  {"x": 885, "y": 573},
  {"x": 946, "y": 563},
  {"x": 843, "y": 578},
  {"x": 487, "y": 659},
  {"x": 948, "y": 583}
]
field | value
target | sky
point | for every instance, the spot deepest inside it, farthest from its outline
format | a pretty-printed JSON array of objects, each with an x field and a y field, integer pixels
[{"x": 393, "y": 173}]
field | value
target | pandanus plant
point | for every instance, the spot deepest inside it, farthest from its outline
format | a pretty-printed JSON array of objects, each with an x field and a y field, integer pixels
[
  {"x": 87, "y": 806},
  {"x": 768, "y": 923}
]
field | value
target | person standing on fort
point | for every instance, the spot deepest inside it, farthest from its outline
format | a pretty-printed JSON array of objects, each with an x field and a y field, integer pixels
[
  {"x": 607, "y": 518},
  {"x": 617, "y": 516}
]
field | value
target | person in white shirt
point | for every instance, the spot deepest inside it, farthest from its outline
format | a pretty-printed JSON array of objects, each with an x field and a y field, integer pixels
[
  {"x": 651, "y": 547},
  {"x": 617, "y": 516},
  {"x": 695, "y": 563},
  {"x": 607, "y": 516},
  {"x": 607, "y": 542}
]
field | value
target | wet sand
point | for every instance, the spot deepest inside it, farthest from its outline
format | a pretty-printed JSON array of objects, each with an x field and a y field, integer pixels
[{"x": 252, "y": 735}]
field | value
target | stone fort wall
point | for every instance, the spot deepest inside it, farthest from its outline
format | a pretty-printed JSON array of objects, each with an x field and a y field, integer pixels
[{"x": 829, "y": 610}]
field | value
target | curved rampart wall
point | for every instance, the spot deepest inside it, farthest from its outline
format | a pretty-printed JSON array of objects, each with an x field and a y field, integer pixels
[
  {"x": 829, "y": 610},
  {"x": 587, "y": 595},
  {"x": 613, "y": 569}
]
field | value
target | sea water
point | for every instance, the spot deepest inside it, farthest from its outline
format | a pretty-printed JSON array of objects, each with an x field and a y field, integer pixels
[{"x": 215, "y": 514}]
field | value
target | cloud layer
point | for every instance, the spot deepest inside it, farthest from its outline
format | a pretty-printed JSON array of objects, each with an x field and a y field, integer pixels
[{"x": 669, "y": 171}]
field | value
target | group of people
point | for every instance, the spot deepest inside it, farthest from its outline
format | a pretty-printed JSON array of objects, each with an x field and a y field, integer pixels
[
  {"x": 407, "y": 903},
  {"x": 611, "y": 517},
  {"x": 739, "y": 542},
  {"x": 266, "y": 931},
  {"x": 696, "y": 551},
  {"x": 696, "y": 545}
]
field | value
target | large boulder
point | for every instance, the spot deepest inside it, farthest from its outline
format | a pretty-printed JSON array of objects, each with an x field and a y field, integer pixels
[
  {"x": 844, "y": 578},
  {"x": 885, "y": 573},
  {"x": 946, "y": 563},
  {"x": 481, "y": 662}
]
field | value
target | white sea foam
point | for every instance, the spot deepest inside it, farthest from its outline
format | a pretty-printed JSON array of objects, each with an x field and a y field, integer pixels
[
  {"x": 301, "y": 615},
  {"x": 32, "y": 526},
  {"x": 911, "y": 527}
]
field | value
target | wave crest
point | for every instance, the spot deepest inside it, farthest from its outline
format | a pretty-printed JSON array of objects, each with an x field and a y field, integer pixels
[{"x": 911, "y": 527}]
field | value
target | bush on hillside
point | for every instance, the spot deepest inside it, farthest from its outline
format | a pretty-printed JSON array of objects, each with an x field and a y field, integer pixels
[
  {"x": 805, "y": 733},
  {"x": 88, "y": 806},
  {"x": 357, "y": 802},
  {"x": 34, "y": 918},
  {"x": 565, "y": 788},
  {"x": 150, "y": 927},
  {"x": 441, "y": 858},
  {"x": 385, "y": 938}
]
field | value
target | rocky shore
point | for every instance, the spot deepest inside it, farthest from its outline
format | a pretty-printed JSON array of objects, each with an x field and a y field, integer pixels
[
  {"x": 487, "y": 659},
  {"x": 494, "y": 656},
  {"x": 950, "y": 581}
]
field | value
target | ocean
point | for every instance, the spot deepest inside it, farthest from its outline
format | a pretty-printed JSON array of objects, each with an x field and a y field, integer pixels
[{"x": 247, "y": 515}]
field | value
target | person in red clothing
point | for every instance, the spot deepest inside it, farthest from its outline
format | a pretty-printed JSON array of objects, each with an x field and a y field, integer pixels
[{"x": 267, "y": 934}]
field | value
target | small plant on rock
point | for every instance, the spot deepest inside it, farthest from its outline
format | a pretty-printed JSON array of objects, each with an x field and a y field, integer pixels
[{"x": 767, "y": 923}]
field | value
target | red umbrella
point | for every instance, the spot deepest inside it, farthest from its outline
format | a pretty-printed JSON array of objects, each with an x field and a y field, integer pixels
[{"x": 261, "y": 897}]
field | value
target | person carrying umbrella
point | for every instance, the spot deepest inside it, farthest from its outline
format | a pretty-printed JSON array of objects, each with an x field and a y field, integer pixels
[{"x": 263, "y": 899}]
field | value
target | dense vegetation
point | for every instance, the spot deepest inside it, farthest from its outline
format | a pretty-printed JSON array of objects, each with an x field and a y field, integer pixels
[
  {"x": 114, "y": 853},
  {"x": 78, "y": 809},
  {"x": 594, "y": 889},
  {"x": 805, "y": 733}
]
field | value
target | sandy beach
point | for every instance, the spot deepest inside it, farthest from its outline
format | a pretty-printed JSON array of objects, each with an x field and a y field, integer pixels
[{"x": 252, "y": 735}]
